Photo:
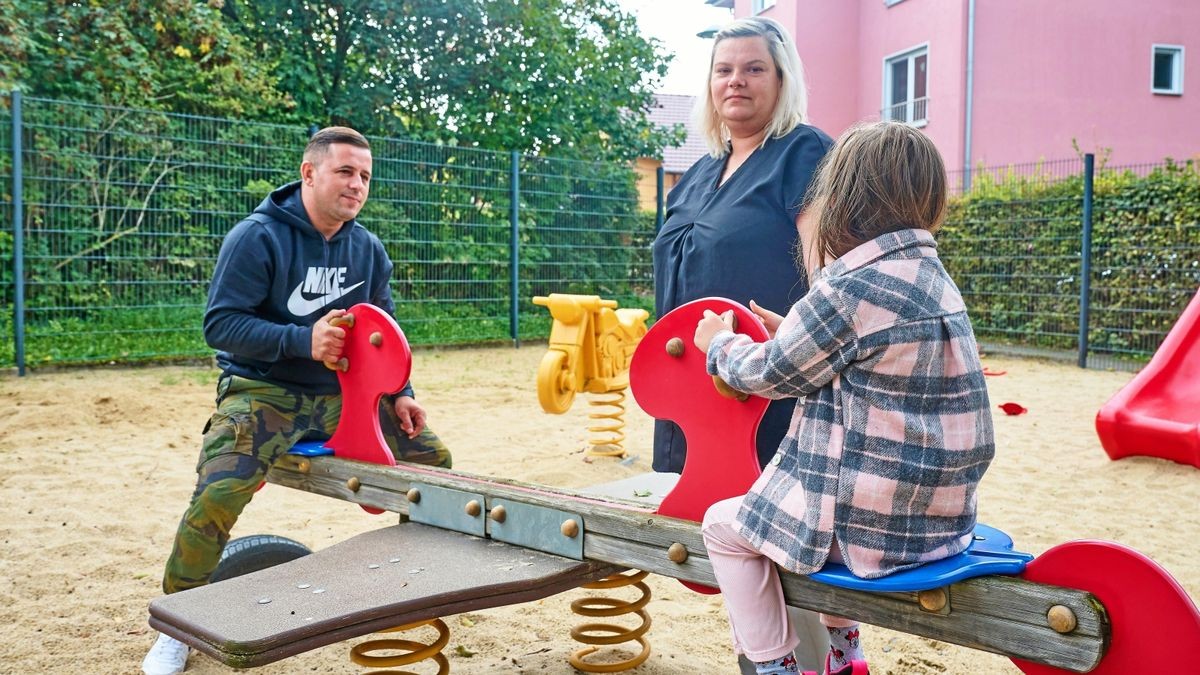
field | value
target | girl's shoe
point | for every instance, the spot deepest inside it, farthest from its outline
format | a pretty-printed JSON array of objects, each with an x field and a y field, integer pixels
[{"x": 854, "y": 668}]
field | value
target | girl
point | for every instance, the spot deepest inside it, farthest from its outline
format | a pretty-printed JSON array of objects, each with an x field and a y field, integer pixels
[{"x": 892, "y": 431}]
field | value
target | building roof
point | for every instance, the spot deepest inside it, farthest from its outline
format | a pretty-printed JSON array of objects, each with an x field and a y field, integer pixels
[{"x": 667, "y": 111}]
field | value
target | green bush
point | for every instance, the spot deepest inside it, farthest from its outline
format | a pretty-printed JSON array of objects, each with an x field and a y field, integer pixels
[{"x": 1014, "y": 246}]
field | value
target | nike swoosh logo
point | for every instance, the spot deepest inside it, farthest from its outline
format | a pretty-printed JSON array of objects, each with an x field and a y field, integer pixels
[{"x": 299, "y": 306}]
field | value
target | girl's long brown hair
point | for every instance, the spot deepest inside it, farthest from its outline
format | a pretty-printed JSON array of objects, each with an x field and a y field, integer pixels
[{"x": 879, "y": 178}]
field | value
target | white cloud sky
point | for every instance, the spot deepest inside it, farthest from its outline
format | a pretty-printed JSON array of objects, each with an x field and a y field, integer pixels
[{"x": 675, "y": 23}]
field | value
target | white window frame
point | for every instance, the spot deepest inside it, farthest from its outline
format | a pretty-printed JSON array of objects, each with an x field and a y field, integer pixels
[
  {"x": 1177, "y": 74},
  {"x": 759, "y": 6},
  {"x": 913, "y": 105}
]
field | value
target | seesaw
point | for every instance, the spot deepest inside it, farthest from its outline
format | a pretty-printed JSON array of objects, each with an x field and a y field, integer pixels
[{"x": 473, "y": 542}]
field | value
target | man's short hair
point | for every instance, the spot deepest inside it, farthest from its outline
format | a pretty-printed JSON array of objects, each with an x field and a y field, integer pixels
[{"x": 318, "y": 145}]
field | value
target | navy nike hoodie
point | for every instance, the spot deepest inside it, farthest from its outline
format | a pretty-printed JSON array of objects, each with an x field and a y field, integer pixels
[{"x": 276, "y": 275}]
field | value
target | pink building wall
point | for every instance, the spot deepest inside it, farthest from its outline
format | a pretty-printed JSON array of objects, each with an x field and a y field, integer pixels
[
  {"x": 1050, "y": 72},
  {"x": 1045, "y": 73},
  {"x": 830, "y": 69},
  {"x": 888, "y": 31}
]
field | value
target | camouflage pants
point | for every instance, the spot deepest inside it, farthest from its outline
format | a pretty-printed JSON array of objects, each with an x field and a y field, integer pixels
[{"x": 256, "y": 423}]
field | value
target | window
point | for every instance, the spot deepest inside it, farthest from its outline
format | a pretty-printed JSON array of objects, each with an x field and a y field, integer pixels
[
  {"x": 1166, "y": 69},
  {"x": 905, "y": 96},
  {"x": 760, "y": 6}
]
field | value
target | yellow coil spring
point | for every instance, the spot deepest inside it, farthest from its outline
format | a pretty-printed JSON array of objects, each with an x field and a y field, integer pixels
[
  {"x": 611, "y": 439},
  {"x": 412, "y": 651},
  {"x": 611, "y": 634}
]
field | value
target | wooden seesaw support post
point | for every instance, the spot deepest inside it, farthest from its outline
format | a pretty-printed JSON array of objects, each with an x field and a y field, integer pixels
[{"x": 1080, "y": 607}]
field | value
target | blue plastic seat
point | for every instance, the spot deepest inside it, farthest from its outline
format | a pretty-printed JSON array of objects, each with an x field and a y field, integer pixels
[
  {"x": 310, "y": 449},
  {"x": 990, "y": 553}
]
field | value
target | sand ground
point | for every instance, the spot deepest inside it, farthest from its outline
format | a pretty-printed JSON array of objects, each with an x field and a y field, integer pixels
[{"x": 98, "y": 466}]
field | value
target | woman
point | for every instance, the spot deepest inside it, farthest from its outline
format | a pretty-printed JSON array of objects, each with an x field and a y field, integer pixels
[
  {"x": 731, "y": 220},
  {"x": 730, "y": 229}
]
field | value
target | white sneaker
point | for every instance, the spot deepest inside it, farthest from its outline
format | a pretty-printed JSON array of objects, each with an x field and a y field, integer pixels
[{"x": 168, "y": 656}]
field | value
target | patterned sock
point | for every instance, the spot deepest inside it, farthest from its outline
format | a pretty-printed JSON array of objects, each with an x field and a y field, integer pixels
[
  {"x": 780, "y": 666},
  {"x": 844, "y": 647}
]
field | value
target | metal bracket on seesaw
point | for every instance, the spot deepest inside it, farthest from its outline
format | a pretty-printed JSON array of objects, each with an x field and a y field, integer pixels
[
  {"x": 531, "y": 526},
  {"x": 448, "y": 509},
  {"x": 1080, "y": 607}
]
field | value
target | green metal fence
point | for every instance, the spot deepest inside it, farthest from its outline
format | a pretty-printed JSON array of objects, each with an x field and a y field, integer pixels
[
  {"x": 1065, "y": 259},
  {"x": 8, "y": 289},
  {"x": 124, "y": 211}
]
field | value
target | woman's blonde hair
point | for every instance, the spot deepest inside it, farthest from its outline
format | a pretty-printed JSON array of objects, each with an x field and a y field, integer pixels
[
  {"x": 791, "y": 109},
  {"x": 878, "y": 178}
]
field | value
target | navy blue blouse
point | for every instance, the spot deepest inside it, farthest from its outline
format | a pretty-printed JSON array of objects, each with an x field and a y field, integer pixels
[{"x": 736, "y": 240}]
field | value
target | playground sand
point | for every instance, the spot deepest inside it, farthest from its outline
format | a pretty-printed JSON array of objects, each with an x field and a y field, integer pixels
[{"x": 98, "y": 465}]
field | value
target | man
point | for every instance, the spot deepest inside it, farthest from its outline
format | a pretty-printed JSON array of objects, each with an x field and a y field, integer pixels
[{"x": 295, "y": 263}]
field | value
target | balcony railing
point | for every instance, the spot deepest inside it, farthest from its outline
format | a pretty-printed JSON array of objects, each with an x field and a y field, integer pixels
[{"x": 913, "y": 111}]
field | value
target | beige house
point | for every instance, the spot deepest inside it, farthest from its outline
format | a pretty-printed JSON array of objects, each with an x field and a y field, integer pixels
[{"x": 667, "y": 111}]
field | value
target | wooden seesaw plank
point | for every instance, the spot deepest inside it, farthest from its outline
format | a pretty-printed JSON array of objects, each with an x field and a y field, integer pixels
[
  {"x": 1001, "y": 615},
  {"x": 371, "y": 582}
]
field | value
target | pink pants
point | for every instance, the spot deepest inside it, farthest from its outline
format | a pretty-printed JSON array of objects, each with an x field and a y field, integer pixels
[{"x": 749, "y": 582}]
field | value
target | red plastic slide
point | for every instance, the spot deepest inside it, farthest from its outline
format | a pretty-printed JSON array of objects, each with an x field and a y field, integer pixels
[{"x": 1158, "y": 412}]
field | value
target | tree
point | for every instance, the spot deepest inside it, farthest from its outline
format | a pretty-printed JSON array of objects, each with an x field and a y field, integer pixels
[
  {"x": 561, "y": 77},
  {"x": 175, "y": 55},
  {"x": 15, "y": 43},
  {"x": 111, "y": 190}
]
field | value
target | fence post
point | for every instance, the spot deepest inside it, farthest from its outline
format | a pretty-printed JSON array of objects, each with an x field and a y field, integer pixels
[
  {"x": 18, "y": 219},
  {"x": 658, "y": 199},
  {"x": 514, "y": 244},
  {"x": 1085, "y": 286}
]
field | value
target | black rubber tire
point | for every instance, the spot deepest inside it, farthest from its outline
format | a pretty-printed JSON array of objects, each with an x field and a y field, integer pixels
[{"x": 256, "y": 552}]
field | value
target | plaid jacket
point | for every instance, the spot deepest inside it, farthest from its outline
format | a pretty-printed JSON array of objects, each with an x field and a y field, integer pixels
[{"x": 892, "y": 432}]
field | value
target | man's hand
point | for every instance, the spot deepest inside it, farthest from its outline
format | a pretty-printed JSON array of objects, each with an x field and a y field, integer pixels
[
  {"x": 709, "y": 326},
  {"x": 770, "y": 320},
  {"x": 328, "y": 340},
  {"x": 411, "y": 414}
]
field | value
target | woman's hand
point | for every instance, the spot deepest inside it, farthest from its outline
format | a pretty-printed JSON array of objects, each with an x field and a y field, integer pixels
[
  {"x": 708, "y": 327},
  {"x": 770, "y": 320}
]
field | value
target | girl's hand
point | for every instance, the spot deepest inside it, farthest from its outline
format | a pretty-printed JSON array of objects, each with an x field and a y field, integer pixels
[
  {"x": 770, "y": 320},
  {"x": 709, "y": 326}
]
